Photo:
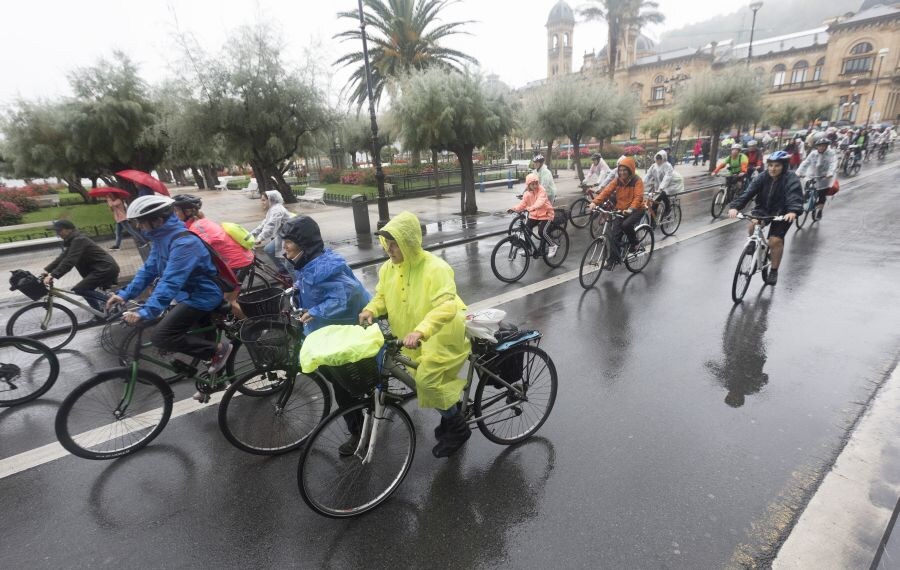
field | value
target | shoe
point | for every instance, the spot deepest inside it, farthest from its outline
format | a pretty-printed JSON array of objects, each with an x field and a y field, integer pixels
[
  {"x": 221, "y": 356},
  {"x": 551, "y": 251},
  {"x": 348, "y": 448},
  {"x": 457, "y": 434},
  {"x": 441, "y": 429},
  {"x": 113, "y": 247},
  {"x": 773, "y": 277}
]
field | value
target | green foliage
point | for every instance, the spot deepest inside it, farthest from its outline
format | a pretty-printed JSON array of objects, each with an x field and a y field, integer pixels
[
  {"x": 716, "y": 102},
  {"x": 620, "y": 16},
  {"x": 819, "y": 109},
  {"x": 21, "y": 197},
  {"x": 786, "y": 114}
]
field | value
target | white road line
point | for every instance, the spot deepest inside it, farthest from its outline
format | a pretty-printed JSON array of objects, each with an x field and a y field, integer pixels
[{"x": 50, "y": 452}]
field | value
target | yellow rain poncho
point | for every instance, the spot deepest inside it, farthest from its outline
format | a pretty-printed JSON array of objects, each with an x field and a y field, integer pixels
[{"x": 419, "y": 294}]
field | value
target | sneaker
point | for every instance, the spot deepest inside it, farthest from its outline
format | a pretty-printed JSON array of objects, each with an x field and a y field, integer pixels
[
  {"x": 458, "y": 432},
  {"x": 113, "y": 247},
  {"x": 773, "y": 277},
  {"x": 551, "y": 251},
  {"x": 221, "y": 356},
  {"x": 348, "y": 448}
]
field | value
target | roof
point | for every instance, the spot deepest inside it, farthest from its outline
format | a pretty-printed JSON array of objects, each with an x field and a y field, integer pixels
[
  {"x": 725, "y": 51},
  {"x": 561, "y": 13},
  {"x": 665, "y": 56},
  {"x": 876, "y": 11}
]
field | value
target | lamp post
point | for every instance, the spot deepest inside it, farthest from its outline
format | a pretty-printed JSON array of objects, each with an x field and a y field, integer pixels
[
  {"x": 881, "y": 53},
  {"x": 383, "y": 215},
  {"x": 673, "y": 83},
  {"x": 755, "y": 6}
]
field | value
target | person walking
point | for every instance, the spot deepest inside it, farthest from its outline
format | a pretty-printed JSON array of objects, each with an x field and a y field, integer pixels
[
  {"x": 117, "y": 206},
  {"x": 698, "y": 150}
]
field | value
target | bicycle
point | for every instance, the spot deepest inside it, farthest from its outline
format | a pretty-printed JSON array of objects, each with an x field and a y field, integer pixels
[
  {"x": 596, "y": 258},
  {"x": 512, "y": 255},
  {"x": 514, "y": 395},
  {"x": 45, "y": 317},
  {"x": 882, "y": 151},
  {"x": 724, "y": 196},
  {"x": 260, "y": 274},
  {"x": 579, "y": 210},
  {"x": 28, "y": 369},
  {"x": 669, "y": 223},
  {"x": 810, "y": 199},
  {"x": 755, "y": 257},
  {"x": 850, "y": 165}
]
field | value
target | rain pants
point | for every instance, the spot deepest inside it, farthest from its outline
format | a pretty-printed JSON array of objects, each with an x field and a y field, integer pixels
[{"x": 419, "y": 294}]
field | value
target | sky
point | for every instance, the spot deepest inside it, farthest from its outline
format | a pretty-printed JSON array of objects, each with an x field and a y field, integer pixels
[{"x": 45, "y": 40}]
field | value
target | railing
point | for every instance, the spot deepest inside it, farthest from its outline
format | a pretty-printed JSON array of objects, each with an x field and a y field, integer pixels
[{"x": 796, "y": 86}]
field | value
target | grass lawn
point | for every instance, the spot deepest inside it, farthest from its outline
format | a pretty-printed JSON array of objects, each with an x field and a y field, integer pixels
[{"x": 80, "y": 215}]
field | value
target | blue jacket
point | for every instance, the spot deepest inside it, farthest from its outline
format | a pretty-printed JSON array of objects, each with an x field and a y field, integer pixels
[
  {"x": 327, "y": 288},
  {"x": 183, "y": 268}
]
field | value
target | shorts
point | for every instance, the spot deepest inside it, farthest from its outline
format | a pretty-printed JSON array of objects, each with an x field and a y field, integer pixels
[{"x": 779, "y": 229}]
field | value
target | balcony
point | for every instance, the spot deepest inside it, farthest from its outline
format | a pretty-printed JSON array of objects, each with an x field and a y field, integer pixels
[
  {"x": 653, "y": 103},
  {"x": 796, "y": 86}
]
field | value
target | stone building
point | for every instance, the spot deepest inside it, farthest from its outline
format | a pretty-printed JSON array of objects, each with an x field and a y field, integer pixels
[{"x": 836, "y": 63}]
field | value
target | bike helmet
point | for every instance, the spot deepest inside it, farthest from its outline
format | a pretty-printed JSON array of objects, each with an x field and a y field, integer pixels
[
  {"x": 596, "y": 156},
  {"x": 187, "y": 201},
  {"x": 147, "y": 207},
  {"x": 538, "y": 158},
  {"x": 736, "y": 146},
  {"x": 820, "y": 138},
  {"x": 779, "y": 156},
  {"x": 752, "y": 143}
]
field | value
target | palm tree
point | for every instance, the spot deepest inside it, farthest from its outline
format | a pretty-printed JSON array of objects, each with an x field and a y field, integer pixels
[
  {"x": 406, "y": 37},
  {"x": 620, "y": 17}
]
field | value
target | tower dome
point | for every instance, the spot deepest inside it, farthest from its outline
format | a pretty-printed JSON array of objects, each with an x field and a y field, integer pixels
[{"x": 561, "y": 13}]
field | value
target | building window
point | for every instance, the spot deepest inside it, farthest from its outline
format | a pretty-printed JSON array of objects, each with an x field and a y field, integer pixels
[
  {"x": 659, "y": 79},
  {"x": 798, "y": 75},
  {"x": 862, "y": 47},
  {"x": 857, "y": 65},
  {"x": 758, "y": 75},
  {"x": 659, "y": 93},
  {"x": 555, "y": 41},
  {"x": 778, "y": 75},
  {"x": 817, "y": 72},
  {"x": 566, "y": 39}
]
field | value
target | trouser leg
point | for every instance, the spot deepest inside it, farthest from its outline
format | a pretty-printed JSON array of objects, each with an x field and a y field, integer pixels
[
  {"x": 171, "y": 333},
  {"x": 628, "y": 224},
  {"x": 90, "y": 282},
  {"x": 118, "y": 234},
  {"x": 664, "y": 198}
]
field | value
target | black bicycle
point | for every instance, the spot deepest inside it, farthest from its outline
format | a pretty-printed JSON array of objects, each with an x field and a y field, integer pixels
[
  {"x": 724, "y": 196},
  {"x": 597, "y": 257},
  {"x": 512, "y": 254},
  {"x": 28, "y": 368}
]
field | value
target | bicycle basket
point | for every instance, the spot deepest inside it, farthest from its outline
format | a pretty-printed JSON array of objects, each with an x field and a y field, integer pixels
[
  {"x": 357, "y": 378},
  {"x": 28, "y": 284},
  {"x": 113, "y": 338},
  {"x": 269, "y": 339},
  {"x": 261, "y": 303}
]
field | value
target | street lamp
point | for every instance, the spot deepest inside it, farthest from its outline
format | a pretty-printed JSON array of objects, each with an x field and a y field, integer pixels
[
  {"x": 881, "y": 53},
  {"x": 383, "y": 215},
  {"x": 755, "y": 6}
]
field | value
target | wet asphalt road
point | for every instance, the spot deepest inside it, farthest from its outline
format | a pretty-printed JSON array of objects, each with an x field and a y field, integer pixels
[{"x": 685, "y": 429}]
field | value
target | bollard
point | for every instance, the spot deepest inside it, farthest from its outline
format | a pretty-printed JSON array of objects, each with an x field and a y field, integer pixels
[
  {"x": 481, "y": 183},
  {"x": 509, "y": 178},
  {"x": 360, "y": 214}
]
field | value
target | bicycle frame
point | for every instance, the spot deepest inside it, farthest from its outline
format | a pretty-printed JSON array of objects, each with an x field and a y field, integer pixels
[{"x": 65, "y": 295}]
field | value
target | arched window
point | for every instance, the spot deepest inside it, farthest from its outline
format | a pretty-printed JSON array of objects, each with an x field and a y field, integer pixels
[
  {"x": 659, "y": 79},
  {"x": 566, "y": 39},
  {"x": 817, "y": 71},
  {"x": 861, "y": 47},
  {"x": 798, "y": 75},
  {"x": 778, "y": 75},
  {"x": 555, "y": 41}
]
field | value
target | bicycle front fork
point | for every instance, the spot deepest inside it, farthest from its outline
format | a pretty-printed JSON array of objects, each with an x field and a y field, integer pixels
[{"x": 369, "y": 434}]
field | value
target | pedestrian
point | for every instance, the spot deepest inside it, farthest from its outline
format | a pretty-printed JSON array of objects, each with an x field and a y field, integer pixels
[
  {"x": 704, "y": 149},
  {"x": 117, "y": 206},
  {"x": 698, "y": 150}
]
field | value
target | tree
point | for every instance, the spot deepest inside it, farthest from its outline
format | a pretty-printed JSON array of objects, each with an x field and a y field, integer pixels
[
  {"x": 622, "y": 17},
  {"x": 454, "y": 111},
  {"x": 659, "y": 123},
  {"x": 718, "y": 102},
  {"x": 403, "y": 36},
  {"x": 193, "y": 142},
  {"x": 785, "y": 115},
  {"x": 572, "y": 108},
  {"x": 818, "y": 110}
]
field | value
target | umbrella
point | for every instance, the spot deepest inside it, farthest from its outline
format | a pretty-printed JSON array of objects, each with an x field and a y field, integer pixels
[
  {"x": 144, "y": 179},
  {"x": 106, "y": 190}
]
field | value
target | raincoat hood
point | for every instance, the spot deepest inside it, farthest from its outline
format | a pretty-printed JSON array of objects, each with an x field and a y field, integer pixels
[
  {"x": 662, "y": 154},
  {"x": 304, "y": 231},
  {"x": 407, "y": 232},
  {"x": 274, "y": 197},
  {"x": 628, "y": 163}
]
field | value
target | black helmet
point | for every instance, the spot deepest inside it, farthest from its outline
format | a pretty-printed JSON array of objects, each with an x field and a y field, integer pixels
[
  {"x": 303, "y": 231},
  {"x": 187, "y": 201}
]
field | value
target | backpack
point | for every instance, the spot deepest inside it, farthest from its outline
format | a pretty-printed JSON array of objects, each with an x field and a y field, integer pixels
[
  {"x": 224, "y": 277},
  {"x": 240, "y": 234}
]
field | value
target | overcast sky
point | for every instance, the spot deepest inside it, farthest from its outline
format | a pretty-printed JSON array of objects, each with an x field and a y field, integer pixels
[{"x": 46, "y": 39}]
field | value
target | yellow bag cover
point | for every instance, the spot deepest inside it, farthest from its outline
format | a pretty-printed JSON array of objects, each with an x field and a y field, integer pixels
[
  {"x": 336, "y": 345},
  {"x": 239, "y": 234}
]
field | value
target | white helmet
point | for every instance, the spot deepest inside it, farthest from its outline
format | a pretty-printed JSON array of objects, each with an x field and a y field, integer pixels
[
  {"x": 736, "y": 146},
  {"x": 156, "y": 206}
]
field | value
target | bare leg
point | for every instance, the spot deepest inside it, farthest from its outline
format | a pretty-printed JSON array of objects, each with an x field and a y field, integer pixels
[{"x": 776, "y": 247}]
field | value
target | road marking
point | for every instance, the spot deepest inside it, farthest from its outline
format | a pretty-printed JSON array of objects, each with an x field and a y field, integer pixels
[{"x": 52, "y": 451}]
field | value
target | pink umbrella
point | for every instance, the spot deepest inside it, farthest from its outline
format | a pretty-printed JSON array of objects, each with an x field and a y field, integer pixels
[
  {"x": 107, "y": 190},
  {"x": 144, "y": 179}
]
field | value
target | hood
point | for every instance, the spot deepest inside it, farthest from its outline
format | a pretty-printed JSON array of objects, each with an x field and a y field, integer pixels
[
  {"x": 172, "y": 225},
  {"x": 662, "y": 154},
  {"x": 274, "y": 197},
  {"x": 628, "y": 162},
  {"x": 405, "y": 228},
  {"x": 303, "y": 231}
]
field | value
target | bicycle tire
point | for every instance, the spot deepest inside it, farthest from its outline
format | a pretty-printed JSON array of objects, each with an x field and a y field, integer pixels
[
  {"x": 765, "y": 269},
  {"x": 19, "y": 372},
  {"x": 801, "y": 219},
  {"x": 27, "y": 322},
  {"x": 636, "y": 262},
  {"x": 155, "y": 400},
  {"x": 277, "y": 421},
  {"x": 510, "y": 249},
  {"x": 345, "y": 473},
  {"x": 579, "y": 213},
  {"x": 718, "y": 204},
  {"x": 596, "y": 224},
  {"x": 539, "y": 382},
  {"x": 559, "y": 234},
  {"x": 743, "y": 273},
  {"x": 594, "y": 256},
  {"x": 240, "y": 363},
  {"x": 854, "y": 169},
  {"x": 672, "y": 222}
]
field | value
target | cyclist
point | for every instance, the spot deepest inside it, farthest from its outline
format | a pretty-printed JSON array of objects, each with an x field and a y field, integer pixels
[
  {"x": 755, "y": 163},
  {"x": 276, "y": 214},
  {"x": 540, "y": 210},
  {"x": 183, "y": 272},
  {"x": 600, "y": 173},
  {"x": 661, "y": 178},
  {"x": 546, "y": 177},
  {"x": 187, "y": 208},
  {"x": 736, "y": 162},
  {"x": 821, "y": 164},
  {"x": 96, "y": 267},
  {"x": 417, "y": 292},
  {"x": 777, "y": 192},
  {"x": 629, "y": 190},
  {"x": 326, "y": 287}
]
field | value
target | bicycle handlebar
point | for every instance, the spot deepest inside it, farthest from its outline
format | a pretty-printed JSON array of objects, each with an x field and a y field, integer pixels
[{"x": 760, "y": 218}]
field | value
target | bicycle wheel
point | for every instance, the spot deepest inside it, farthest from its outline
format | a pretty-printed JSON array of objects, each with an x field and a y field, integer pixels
[
  {"x": 765, "y": 268},
  {"x": 670, "y": 224},
  {"x": 510, "y": 259},
  {"x": 510, "y": 417},
  {"x": 579, "y": 213},
  {"x": 801, "y": 219},
  {"x": 597, "y": 222},
  {"x": 27, "y": 370},
  {"x": 592, "y": 262},
  {"x": 345, "y": 486},
  {"x": 277, "y": 421},
  {"x": 743, "y": 272},
  {"x": 255, "y": 278},
  {"x": 718, "y": 204},
  {"x": 240, "y": 364},
  {"x": 637, "y": 261},
  {"x": 94, "y": 423},
  {"x": 854, "y": 169},
  {"x": 559, "y": 237},
  {"x": 29, "y": 322}
]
